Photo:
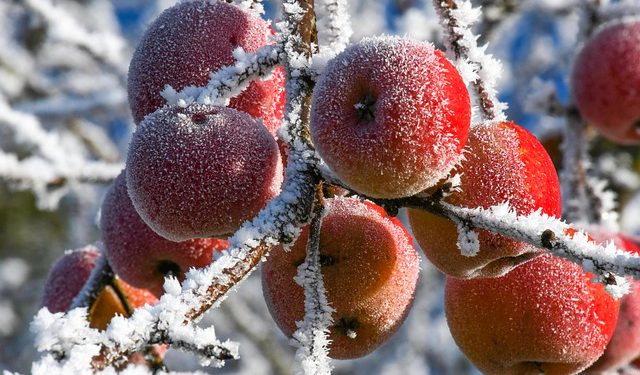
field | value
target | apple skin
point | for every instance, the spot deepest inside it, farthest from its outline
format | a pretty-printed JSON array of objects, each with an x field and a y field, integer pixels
[
  {"x": 390, "y": 116},
  {"x": 503, "y": 162},
  {"x": 138, "y": 254},
  {"x": 545, "y": 316},
  {"x": 201, "y": 171},
  {"x": 605, "y": 81},
  {"x": 370, "y": 271},
  {"x": 67, "y": 277},
  {"x": 625, "y": 343},
  {"x": 175, "y": 52}
]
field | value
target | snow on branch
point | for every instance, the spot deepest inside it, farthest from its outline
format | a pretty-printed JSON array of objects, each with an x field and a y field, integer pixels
[
  {"x": 558, "y": 237},
  {"x": 254, "y": 6},
  {"x": 334, "y": 25},
  {"x": 171, "y": 319},
  {"x": 62, "y": 27},
  {"x": 607, "y": 262},
  {"x": 66, "y": 106},
  {"x": 478, "y": 69},
  {"x": 616, "y": 10},
  {"x": 229, "y": 81},
  {"x": 50, "y": 180},
  {"x": 52, "y": 167},
  {"x": 311, "y": 337}
]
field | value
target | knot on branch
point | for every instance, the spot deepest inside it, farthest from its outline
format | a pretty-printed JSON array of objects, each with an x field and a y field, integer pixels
[{"x": 548, "y": 239}]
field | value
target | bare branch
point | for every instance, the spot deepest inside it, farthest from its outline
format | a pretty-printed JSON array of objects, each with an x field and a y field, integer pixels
[{"x": 471, "y": 60}]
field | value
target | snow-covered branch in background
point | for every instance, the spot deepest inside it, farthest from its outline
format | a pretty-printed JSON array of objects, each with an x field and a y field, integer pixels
[
  {"x": 616, "y": 10},
  {"x": 311, "y": 337},
  {"x": 52, "y": 166},
  {"x": 105, "y": 47},
  {"x": 67, "y": 106},
  {"x": 479, "y": 70},
  {"x": 229, "y": 81},
  {"x": 13, "y": 275}
]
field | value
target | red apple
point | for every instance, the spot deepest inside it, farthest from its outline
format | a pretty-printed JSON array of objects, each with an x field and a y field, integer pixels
[
  {"x": 370, "y": 270},
  {"x": 189, "y": 41},
  {"x": 606, "y": 78},
  {"x": 504, "y": 163},
  {"x": 67, "y": 277},
  {"x": 390, "y": 116},
  {"x": 545, "y": 316},
  {"x": 71, "y": 272},
  {"x": 625, "y": 343},
  {"x": 201, "y": 171},
  {"x": 138, "y": 254}
]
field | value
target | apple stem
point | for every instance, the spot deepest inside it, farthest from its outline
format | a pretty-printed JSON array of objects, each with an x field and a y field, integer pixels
[{"x": 366, "y": 108}]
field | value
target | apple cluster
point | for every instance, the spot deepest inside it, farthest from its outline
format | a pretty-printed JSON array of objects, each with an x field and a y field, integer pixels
[{"x": 391, "y": 118}]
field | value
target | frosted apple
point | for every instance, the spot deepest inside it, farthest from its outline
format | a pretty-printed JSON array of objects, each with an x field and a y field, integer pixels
[
  {"x": 545, "y": 316},
  {"x": 503, "y": 162},
  {"x": 138, "y": 254},
  {"x": 390, "y": 116},
  {"x": 67, "y": 277},
  {"x": 625, "y": 343},
  {"x": 201, "y": 171},
  {"x": 370, "y": 270},
  {"x": 606, "y": 78},
  {"x": 189, "y": 41}
]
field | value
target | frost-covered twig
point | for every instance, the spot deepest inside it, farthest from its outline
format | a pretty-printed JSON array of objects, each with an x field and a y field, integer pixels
[
  {"x": 231, "y": 80},
  {"x": 334, "y": 26},
  {"x": 537, "y": 229},
  {"x": 200, "y": 341},
  {"x": 170, "y": 320},
  {"x": 573, "y": 177},
  {"x": 311, "y": 337},
  {"x": 584, "y": 198},
  {"x": 251, "y": 5},
  {"x": 477, "y": 68},
  {"x": 558, "y": 237}
]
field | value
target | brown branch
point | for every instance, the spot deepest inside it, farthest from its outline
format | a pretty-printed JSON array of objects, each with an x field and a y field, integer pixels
[
  {"x": 445, "y": 8},
  {"x": 236, "y": 274}
]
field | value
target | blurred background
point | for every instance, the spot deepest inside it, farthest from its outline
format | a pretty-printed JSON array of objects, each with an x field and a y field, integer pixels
[{"x": 65, "y": 125}]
